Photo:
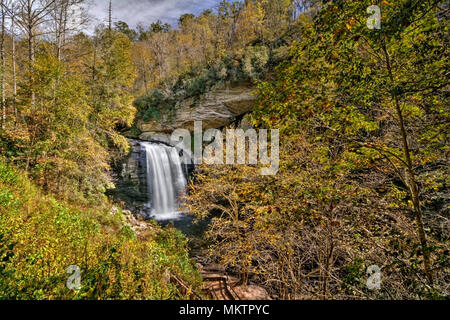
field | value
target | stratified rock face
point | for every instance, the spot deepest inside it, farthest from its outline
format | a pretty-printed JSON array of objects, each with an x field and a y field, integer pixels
[
  {"x": 131, "y": 186},
  {"x": 215, "y": 109},
  {"x": 155, "y": 137},
  {"x": 131, "y": 182}
]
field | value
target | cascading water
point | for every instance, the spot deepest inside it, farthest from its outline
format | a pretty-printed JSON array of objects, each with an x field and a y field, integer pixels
[{"x": 165, "y": 179}]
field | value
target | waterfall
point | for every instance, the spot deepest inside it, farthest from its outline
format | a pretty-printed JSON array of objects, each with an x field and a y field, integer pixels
[{"x": 165, "y": 179}]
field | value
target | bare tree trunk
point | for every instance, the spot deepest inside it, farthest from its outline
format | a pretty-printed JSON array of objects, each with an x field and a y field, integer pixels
[
  {"x": 32, "y": 14},
  {"x": 94, "y": 62},
  {"x": 110, "y": 15},
  {"x": 3, "y": 65},
  {"x": 60, "y": 17},
  {"x": 64, "y": 27},
  {"x": 30, "y": 24},
  {"x": 145, "y": 80},
  {"x": 31, "y": 60},
  {"x": 14, "y": 72},
  {"x": 59, "y": 31},
  {"x": 59, "y": 12},
  {"x": 413, "y": 190}
]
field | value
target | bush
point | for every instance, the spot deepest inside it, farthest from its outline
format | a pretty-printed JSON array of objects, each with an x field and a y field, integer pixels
[{"x": 41, "y": 237}]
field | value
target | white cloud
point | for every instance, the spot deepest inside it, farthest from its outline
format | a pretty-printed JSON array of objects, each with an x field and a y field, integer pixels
[{"x": 147, "y": 11}]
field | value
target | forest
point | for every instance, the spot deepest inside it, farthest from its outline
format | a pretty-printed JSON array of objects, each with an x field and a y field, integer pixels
[{"x": 357, "y": 89}]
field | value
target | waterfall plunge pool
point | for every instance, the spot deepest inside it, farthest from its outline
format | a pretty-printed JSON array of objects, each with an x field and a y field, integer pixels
[
  {"x": 166, "y": 185},
  {"x": 166, "y": 181},
  {"x": 151, "y": 182}
]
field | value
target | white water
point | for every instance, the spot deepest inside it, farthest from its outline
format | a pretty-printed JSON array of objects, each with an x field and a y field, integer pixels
[{"x": 166, "y": 181}]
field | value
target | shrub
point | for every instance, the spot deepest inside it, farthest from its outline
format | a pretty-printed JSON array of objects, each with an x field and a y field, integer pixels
[{"x": 41, "y": 237}]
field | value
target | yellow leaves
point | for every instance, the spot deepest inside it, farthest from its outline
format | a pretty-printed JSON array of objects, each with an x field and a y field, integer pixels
[{"x": 52, "y": 235}]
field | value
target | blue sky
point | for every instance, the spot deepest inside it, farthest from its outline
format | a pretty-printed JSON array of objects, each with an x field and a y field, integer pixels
[{"x": 147, "y": 11}]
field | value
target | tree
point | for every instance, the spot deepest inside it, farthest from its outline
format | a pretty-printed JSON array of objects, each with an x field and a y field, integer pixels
[
  {"x": 143, "y": 61},
  {"x": 185, "y": 19},
  {"x": 13, "y": 62},
  {"x": 110, "y": 15},
  {"x": 66, "y": 16},
  {"x": 3, "y": 64},
  {"x": 159, "y": 26},
  {"x": 31, "y": 15},
  {"x": 112, "y": 85},
  {"x": 125, "y": 29},
  {"x": 398, "y": 77},
  {"x": 352, "y": 105}
]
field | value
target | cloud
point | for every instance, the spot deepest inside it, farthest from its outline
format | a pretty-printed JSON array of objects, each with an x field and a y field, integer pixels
[{"x": 147, "y": 11}]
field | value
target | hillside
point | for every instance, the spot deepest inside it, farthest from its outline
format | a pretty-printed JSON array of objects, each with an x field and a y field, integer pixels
[{"x": 41, "y": 237}]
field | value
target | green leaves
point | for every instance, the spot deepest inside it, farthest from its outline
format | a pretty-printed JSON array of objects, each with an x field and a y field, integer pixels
[
  {"x": 40, "y": 237},
  {"x": 344, "y": 178}
]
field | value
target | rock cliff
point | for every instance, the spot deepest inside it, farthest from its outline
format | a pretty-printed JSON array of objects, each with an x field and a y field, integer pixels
[{"x": 216, "y": 109}]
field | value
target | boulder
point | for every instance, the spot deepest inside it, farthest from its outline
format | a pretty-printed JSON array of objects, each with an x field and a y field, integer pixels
[{"x": 251, "y": 292}]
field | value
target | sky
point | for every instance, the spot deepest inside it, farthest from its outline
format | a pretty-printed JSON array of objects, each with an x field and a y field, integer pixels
[{"x": 147, "y": 11}]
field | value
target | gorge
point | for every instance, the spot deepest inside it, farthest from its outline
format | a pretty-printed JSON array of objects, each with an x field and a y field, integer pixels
[{"x": 154, "y": 174}]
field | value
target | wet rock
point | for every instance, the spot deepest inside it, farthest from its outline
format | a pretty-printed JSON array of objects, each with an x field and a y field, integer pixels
[{"x": 131, "y": 181}]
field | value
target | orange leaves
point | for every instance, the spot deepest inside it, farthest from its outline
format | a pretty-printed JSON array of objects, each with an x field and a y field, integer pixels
[{"x": 351, "y": 22}]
